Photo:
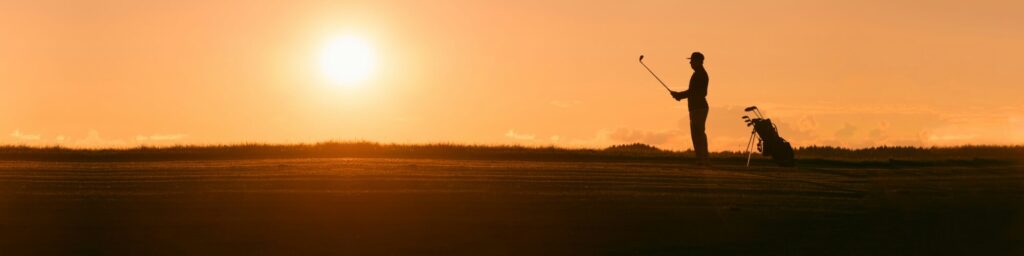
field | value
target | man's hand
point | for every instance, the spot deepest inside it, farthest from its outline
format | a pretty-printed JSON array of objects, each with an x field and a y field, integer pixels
[{"x": 677, "y": 95}]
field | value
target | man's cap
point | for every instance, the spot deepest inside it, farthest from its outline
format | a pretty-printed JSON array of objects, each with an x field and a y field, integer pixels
[{"x": 697, "y": 56}]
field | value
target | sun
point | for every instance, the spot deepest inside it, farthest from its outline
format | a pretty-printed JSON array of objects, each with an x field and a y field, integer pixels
[{"x": 347, "y": 61}]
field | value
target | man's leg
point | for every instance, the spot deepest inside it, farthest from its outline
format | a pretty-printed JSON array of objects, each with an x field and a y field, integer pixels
[{"x": 700, "y": 140}]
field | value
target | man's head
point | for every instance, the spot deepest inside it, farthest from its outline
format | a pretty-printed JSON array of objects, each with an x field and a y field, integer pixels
[{"x": 696, "y": 60}]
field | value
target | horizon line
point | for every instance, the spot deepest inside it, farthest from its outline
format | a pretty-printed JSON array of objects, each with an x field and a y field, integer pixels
[{"x": 457, "y": 144}]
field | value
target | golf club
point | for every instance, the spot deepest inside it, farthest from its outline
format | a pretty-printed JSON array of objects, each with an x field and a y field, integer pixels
[
  {"x": 652, "y": 73},
  {"x": 754, "y": 109}
]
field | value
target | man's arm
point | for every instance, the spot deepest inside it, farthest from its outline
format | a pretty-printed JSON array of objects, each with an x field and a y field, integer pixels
[{"x": 681, "y": 95}]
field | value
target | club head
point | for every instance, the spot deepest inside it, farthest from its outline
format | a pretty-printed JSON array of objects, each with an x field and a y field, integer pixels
[
  {"x": 746, "y": 118},
  {"x": 641, "y": 57},
  {"x": 750, "y": 108}
]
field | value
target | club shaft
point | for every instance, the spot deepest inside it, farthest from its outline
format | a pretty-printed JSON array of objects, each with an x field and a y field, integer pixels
[
  {"x": 655, "y": 76},
  {"x": 750, "y": 143}
]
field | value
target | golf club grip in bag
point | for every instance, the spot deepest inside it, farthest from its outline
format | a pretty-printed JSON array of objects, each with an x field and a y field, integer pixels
[{"x": 772, "y": 144}]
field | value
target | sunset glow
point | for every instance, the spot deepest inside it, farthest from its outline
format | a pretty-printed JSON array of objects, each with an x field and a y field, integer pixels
[
  {"x": 347, "y": 61},
  {"x": 564, "y": 73}
]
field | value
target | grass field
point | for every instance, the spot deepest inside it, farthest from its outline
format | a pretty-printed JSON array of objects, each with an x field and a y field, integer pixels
[{"x": 503, "y": 200}]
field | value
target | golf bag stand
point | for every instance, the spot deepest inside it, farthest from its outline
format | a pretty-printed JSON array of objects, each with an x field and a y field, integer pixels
[
  {"x": 750, "y": 142},
  {"x": 769, "y": 143}
]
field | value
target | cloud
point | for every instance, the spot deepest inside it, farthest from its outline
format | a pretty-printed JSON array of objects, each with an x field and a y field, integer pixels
[
  {"x": 1016, "y": 123},
  {"x": 17, "y": 134},
  {"x": 159, "y": 137},
  {"x": 555, "y": 138},
  {"x": 854, "y": 126},
  {"x": 519, "y": 136},
  {"x": 955, "y": 138},
  {"x": 847, "y": 132},
  {"x": 879, "y": 133},
  {"x": 667, "y": 139},
  {"x": 628, "y": 135},
  {"x": 93, "y": 140}
]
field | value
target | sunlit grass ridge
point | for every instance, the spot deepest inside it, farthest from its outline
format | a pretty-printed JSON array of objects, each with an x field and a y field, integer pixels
[{"x": 624, "y": 152}]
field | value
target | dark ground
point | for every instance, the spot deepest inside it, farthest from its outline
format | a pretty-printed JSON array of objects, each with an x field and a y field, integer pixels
[{"x": 392, "y": 206}]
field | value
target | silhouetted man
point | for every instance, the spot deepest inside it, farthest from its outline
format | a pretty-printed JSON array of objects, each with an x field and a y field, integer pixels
[{"x": 698, "y": 104}]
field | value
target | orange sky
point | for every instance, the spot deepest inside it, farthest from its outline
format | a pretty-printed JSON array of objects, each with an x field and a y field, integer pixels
[{"x": 865, "y": 73}]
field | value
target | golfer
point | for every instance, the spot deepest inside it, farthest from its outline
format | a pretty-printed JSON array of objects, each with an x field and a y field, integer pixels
[{"x": 697, "y": 102}]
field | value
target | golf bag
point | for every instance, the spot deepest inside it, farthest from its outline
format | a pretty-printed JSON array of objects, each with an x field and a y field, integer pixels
[{"x": 769, "y": 142}]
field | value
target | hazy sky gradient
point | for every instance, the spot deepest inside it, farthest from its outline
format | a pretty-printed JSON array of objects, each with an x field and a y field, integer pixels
[{"x": 856, "y": 73}]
